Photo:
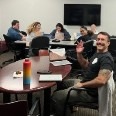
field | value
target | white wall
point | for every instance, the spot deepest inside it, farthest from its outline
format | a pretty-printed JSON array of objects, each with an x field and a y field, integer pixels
[{"x": 50, "y": 12}]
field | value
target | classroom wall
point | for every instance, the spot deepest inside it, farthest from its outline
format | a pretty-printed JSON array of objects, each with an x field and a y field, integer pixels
[{"x": 50, "y": 12}]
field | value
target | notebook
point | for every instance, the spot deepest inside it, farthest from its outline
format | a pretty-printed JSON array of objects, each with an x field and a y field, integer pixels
[
  {"x": 50, "y": 77},
  {"x": 61, "y": 63},
  {"x": 57, "y": 54}
]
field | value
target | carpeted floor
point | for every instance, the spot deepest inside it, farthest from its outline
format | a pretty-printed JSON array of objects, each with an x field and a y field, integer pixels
[{"x": 80, "y": 112}]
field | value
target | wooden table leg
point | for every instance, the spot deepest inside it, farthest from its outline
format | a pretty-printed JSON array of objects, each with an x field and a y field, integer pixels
[
  {"x": 29, "y": 98},
  {"x": 47, "y": 96},
  {"x": 6, "y": 97}
]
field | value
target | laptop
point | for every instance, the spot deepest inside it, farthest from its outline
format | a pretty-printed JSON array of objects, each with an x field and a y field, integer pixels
[{"x": 59, "y": 35}]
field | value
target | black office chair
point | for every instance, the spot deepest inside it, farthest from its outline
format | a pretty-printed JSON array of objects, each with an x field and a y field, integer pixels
[
  {"x": 10, "y": 45},
  {"x": 39, "y": 42},
  {"x": 112, "y": 47},
  {"x": 17, "y": 49},
  {"x": 88, "y": 51},
  {"x": 112, "y": 50},
  {"x": 90, "y": 105},
  {"x": 24, "y": 33},
  {"x": 19, "y": 108},
  {"x": 104, "y": 102},
  {"x": 71, "y": 55},
  {"x": 47, "y": 35}
]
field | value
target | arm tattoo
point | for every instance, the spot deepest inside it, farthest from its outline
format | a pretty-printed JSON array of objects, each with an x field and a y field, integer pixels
[{"x": 105, "y": 73}]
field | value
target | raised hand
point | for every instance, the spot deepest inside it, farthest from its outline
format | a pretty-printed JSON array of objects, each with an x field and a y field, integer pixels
[{"x": 79, "y": 47}]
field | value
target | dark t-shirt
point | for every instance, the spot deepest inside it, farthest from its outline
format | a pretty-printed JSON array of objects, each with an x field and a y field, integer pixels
[
  {"x": 83, "y": 38},
  {"x": 97, "y": 62}
]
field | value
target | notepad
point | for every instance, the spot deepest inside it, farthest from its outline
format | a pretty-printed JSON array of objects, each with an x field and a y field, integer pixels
[
  {"x": 50, "y": 77},
  {"x": 18, "y": 74},
  {"x": 57, "y": 54},
  {"x": 60, "y": 63},
  {"x": 60, "y": 52}
]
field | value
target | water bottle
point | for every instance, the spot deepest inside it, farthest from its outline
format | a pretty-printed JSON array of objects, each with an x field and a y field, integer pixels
[{"x": 26, "y": 71}]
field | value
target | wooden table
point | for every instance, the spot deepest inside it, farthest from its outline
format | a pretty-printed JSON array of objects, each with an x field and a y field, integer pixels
[{"x": 10, "y": 85}]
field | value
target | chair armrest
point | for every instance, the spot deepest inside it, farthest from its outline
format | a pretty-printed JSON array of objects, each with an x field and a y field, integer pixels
[
  {"x": 68, "y": 96},
  {"x": 79, "y": 89},
  {"x": 75, "y": 89}
]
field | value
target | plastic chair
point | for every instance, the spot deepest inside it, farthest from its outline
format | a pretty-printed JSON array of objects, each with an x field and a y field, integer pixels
[
  {"x": 104, "y": 104},
  {"x": 18, "y": 108},
  {"x": 40, "y": 42}
]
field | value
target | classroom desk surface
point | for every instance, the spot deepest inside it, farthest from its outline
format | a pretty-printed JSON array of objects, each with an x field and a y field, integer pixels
[
  {"x": 61, "y": 43},
  {"x": 8, "y": 84}
]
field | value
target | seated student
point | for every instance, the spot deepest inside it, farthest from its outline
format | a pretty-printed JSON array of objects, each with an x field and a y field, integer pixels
[
  {"x": 94, "y": 29},
  {"x": 85, "y": 34},
  {"x": 98, "y": 72},
  {"x": 34, "y": 30},
  {"x": 14, "y": 33},
  {"x": 60, "y": 33}
]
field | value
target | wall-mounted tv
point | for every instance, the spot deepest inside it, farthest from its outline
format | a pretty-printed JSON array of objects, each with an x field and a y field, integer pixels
[{"x": 82, "y": 14}]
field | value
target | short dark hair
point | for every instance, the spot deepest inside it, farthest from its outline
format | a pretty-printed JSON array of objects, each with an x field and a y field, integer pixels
[
  {"x": 14, "y": 22},
  {"x": 106, "y": 34}
]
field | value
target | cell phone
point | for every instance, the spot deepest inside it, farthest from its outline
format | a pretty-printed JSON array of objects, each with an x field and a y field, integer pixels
[
  {"x": 44, "y": 72},
  {"x": 55, "y": 40}
]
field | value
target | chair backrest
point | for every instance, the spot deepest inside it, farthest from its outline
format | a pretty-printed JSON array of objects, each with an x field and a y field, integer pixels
[
  {"x": 24, "y": 33},
  {"x": 88, "y": 49},
  {"x": 112, "y": 47},
  {"x": 40, "y": 42},
  {"x": 9, "y": 42},
  {"x": 47, "y": 35},
  {"x": 88, "y": 45},
  {"x": 17, "y": 108}
]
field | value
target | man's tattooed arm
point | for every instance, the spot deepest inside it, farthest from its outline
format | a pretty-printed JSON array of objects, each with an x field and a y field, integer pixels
[
  {"x": 100, "y": 80},
  {"x": 105, "y": 74}
]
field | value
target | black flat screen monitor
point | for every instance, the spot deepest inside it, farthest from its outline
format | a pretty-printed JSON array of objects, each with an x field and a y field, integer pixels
[{"x": 82, "y": 14}]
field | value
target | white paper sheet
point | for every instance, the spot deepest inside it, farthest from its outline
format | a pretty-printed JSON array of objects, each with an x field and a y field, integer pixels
[
  {"x": 60, "y": 52},
  {"x": 50, "y": 77},
  {"x": 60, "y": 63},
  {"x": 18, "y": 74}
]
